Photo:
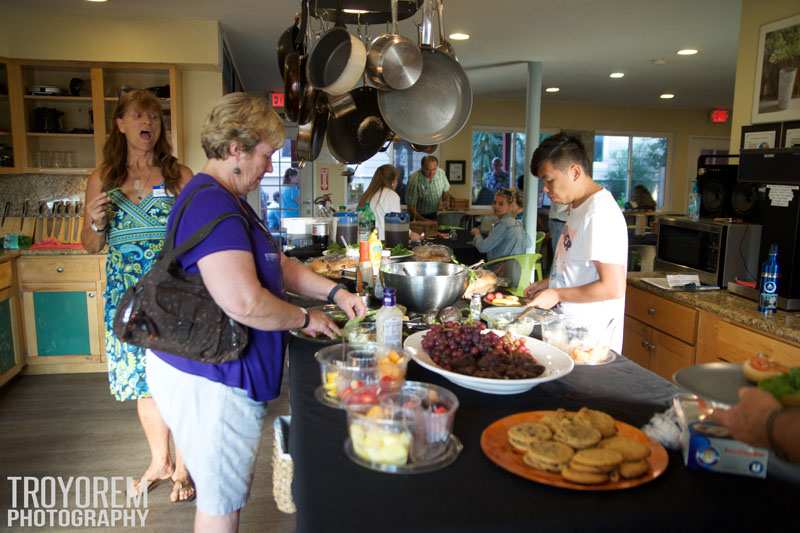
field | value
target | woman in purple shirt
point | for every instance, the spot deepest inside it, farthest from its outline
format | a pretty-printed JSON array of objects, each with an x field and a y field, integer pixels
[{"x": 215, "y": 411}]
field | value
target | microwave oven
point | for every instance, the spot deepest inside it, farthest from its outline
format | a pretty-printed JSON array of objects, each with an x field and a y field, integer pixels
[{"x": 718, "y": 252}]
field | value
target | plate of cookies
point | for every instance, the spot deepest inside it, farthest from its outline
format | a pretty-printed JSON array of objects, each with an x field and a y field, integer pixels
[{"x": 580, "y": 450}]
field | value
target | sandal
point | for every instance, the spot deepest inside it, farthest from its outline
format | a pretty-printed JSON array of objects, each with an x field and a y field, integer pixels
[
  {"x": 149, "y": 483},
  {"x": 179, "y": 486}
]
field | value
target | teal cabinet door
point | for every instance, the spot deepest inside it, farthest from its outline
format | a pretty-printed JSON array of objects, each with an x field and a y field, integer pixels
[
  {"x": 62, "y": 323},
  {"x": 6, "y": 337}
]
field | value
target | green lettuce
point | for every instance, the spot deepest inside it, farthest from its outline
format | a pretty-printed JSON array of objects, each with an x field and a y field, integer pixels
[{"x": 788, "y": 383}]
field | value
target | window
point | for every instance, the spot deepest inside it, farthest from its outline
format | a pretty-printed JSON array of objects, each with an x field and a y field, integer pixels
[
  {"x": 487, "y": 144},
  {"x": 628, "y": 165},
  {"x": 280, "y": 189},
  {"x": 398, "y": 154}
]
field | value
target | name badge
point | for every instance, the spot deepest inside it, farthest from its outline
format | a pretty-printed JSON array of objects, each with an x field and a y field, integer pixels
[{"x": 159, "y": 191}]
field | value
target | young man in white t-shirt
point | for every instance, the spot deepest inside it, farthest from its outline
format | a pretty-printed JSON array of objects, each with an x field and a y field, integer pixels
[{"x": 588, "y": 276}]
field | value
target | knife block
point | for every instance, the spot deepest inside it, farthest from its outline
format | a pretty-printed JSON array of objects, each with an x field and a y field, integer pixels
[{"x": 11, "y": 225}]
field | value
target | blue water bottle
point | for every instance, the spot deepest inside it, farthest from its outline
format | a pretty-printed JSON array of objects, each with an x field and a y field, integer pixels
[{"x": 768, "y": 301}]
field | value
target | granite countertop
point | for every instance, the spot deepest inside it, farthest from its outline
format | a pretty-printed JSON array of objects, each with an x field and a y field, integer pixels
[{"x": 731, "y": 307}]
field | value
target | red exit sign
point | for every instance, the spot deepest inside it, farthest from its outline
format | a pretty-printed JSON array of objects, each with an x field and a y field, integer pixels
[
  {"x": 277, "y": 99},
  {"x": 720, "y": 116}
]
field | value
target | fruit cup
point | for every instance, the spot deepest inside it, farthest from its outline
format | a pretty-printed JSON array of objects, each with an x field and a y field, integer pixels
[
  {"x": 379, "y": 435},
  {"x": 438, "y": 406},
  {"x": 392, "y": 364},
  {"x": 345, "y": 367}
]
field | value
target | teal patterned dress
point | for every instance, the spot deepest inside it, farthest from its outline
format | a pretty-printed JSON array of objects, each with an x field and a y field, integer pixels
[{"x": 135, "y": 238}]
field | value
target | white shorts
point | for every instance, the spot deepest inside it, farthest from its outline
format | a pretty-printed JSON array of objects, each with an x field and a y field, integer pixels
[{"x": 217, "y": 428}]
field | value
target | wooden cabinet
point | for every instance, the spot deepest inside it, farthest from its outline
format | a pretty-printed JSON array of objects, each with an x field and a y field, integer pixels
[
  {"x": 637, "y": 342},
  {"x": 11, "y": 358},
  {"x": 63, "y": 310},
  {"x": 673, "y": 319},
  {"x": 720, "y": 340},
  {"x": 659, "y": 334},
  {"x": 64, "y": 133}
]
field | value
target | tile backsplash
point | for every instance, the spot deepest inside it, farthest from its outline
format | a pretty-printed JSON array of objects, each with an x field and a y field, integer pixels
[{"x": 16, "y": 188}]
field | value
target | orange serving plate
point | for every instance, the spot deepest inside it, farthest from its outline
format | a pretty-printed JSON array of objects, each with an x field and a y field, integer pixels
[{"x": 494, "y": 442}]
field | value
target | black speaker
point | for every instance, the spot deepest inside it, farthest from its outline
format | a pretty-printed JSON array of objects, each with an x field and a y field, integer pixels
[{"x": 722, "y": 196}]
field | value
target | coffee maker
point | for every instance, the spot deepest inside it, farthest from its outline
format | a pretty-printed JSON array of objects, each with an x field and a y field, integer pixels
[{"x": 776, "y": 174}]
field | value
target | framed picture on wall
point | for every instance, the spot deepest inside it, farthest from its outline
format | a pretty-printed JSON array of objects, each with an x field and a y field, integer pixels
[
  {"x": 791, "y": 134},
  {"x": 761, "y": 136},
  {"x": 456, "y": 171},
  {"x": 777, "y": 92}
]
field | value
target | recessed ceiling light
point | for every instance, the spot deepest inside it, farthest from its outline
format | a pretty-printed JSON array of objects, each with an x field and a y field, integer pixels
[
  {"x": 616, "y": 75},
  {"x": 659, "y": 61},
  {"x": 686, "y": 52},
  {"x": 95, "y": 0},
  {"x": 459, "y": 36},
  {"x": 356, "y": 11},
  {"x": 667, "y": 96},
  {"x": 552, "y": 90}
]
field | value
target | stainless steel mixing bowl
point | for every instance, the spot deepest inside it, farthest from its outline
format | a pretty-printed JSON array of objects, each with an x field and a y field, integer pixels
[{"x": 425, "y": 285}]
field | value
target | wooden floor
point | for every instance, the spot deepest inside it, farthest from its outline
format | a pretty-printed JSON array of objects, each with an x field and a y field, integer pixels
[{"x": 69, "y": 425}]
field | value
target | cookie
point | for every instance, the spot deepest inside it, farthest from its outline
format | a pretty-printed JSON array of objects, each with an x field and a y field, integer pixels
[
  {"x": 555, "y": 419},
  {"x": 633, "y": 469},
  {"x": 630, "y": 449},
  {"x": 540, "y": 465},
  {"x": 599, "y": 420},
  {"x": 598, "y": 457},
  {"x": 576, "y": 435},
  {"x": 578, "y": 467},
  {"x": 584, "y": 478},
  {"x": 552, "y": 453},
  {"x": 521, "y": 435}
]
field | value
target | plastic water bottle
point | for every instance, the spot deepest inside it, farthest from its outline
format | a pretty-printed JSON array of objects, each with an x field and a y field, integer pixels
[
  {"x": 389, "y": 320},
  {"x": 475, "y": 307},
  {"x": 694, "y": 203},
  {"x": 768, "y": 301}
]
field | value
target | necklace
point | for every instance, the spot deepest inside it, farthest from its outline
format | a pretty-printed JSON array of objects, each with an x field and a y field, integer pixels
[{"x": 140, "y": 188}]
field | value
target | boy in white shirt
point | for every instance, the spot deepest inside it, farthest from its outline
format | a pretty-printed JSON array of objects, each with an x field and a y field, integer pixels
[{"x": 588, "y": 276}]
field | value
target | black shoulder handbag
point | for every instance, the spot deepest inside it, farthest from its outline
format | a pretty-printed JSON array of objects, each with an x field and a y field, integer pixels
[{"x": 170, "y": 310}]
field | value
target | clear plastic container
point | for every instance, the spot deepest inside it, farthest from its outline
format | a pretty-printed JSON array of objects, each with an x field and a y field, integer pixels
[
  {"x": 586, "y": 340},
  {"x": 438, "y": 411},
  {"x": 396, "y": 226},
  {"x": 347, "y": 227},
  {"x": 345, "y": 367},
  {"x": 392, "y": 363},
  {"x": 523, "y": 327}
]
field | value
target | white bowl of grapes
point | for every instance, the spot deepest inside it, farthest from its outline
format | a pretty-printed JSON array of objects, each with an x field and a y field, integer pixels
[{"x": 486, "y": 360}]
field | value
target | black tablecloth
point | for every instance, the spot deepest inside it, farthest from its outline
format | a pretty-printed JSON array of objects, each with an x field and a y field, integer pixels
[{"x": 473, "y": 494}]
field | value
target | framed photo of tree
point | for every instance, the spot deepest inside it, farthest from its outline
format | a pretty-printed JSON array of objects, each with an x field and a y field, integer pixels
[
  {"x": 777, "y": 92},
  {"x": 456, "y": 171}
]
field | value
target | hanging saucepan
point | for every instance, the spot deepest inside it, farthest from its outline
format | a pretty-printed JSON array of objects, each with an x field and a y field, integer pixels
[
  {"x": 434, "y": 109},
  {"x": 429, "y": 149},
  {"x": 393, "y": 61},
  {"x": 336, "y": 63},
  {"x": 359, "y": 135},
  {"x": 444, "y": 45},
  {"x": 341, "y": 105},
  {"x": 286, "y": 44},
  {"x": 293, "y": 88},
  {"x": 311, "y": 135}
]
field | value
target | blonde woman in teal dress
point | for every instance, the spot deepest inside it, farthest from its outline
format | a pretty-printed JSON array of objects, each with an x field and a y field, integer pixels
[{"x": 128, "y": 200}]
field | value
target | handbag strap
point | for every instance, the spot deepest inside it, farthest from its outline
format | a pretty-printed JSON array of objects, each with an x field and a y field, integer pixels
[{"x": 169, "y": 252}]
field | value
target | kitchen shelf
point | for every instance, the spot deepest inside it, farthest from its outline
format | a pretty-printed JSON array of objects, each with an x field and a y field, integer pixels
[
  {"x": 114, "y": 99},
  {"x": 62, "y": 135},
  {"x": 58, "y": 98}
]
